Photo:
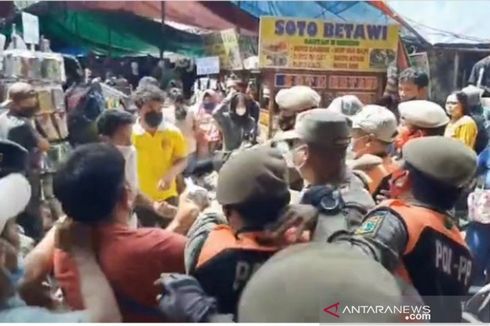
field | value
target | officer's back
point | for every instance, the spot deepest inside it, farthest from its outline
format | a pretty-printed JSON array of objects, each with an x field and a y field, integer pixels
[{"x": 253, "y": 191}]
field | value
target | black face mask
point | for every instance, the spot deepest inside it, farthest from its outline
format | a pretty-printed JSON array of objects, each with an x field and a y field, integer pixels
[
  {"x": 180, "y": 112},
  {"x": 153, "y": 119},
  {"x": 286, "y": 123},
  {"x": 27, "y": 112}
]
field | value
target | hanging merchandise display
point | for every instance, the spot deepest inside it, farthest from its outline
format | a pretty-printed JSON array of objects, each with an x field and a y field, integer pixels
[{"x": 45, "y": 71}]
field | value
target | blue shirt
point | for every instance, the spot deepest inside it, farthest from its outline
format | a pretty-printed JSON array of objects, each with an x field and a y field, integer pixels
[
  {"x": 14, "y": 310},
  {"x": 484, "y": 166}
]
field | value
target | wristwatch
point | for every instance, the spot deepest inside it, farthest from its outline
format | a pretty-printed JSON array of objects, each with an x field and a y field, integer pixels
[{"x": 326, "y": 199}]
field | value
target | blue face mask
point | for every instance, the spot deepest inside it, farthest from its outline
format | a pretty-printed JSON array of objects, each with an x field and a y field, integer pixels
[{"x": 208, "y": 106}]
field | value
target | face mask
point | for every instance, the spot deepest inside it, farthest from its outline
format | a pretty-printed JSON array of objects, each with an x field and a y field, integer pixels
[
  {"x": 240, "y": 111},
  {"x": 354, "y": 144},
  {"x": 28, "y": 112},
  {"x": 153, "y": 119},
  {"x": 406, "y": 135},
  {"x": 286, "y": 123},
  {"x": 208, "y": 106},
  {"x": 296, "y": 158},
  {"x": 180, "y": 113}
]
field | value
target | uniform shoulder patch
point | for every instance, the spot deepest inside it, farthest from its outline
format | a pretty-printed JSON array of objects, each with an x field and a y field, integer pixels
[{"x": 371, "y": 225}]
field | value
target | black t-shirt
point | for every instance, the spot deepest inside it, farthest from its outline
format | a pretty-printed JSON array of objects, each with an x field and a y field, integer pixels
[
  {"x": 21, "y": 131},
  {"x": 475, "y": 73}
]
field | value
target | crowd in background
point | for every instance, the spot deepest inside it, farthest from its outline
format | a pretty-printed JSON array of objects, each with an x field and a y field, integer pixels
[{"x": 193, "y": 190}]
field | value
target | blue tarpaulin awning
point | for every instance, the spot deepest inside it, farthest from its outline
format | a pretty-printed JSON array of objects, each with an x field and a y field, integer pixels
[
  {"x": 351, "y": 11},
  {"x": 461, "y": 22}
]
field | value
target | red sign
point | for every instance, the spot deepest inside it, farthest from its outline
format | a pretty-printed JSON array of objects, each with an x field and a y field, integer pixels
[
  {"x": 290, "y": 80},
  {"x": 354, "y": 83}
]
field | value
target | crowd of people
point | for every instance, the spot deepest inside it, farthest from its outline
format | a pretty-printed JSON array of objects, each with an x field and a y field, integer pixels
[{"x": 182, "y": 212}]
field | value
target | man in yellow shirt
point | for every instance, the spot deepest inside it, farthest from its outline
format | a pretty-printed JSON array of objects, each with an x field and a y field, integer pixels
[{"x": 160, "y": 146}]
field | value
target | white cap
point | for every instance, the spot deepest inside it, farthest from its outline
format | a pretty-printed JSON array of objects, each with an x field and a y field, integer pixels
[
  {"x": 377, "y": 120},
  {"x": 423, "y": 114},
  {"x": 347, "y": 105},
  {"x": 297, "y": 99},
  {"x": 15, "y": 193}
]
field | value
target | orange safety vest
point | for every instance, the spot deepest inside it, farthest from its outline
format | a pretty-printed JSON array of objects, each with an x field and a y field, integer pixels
[
  {"x": 418, "y": 219},
  {"x": 226, "y": 263},
  {"x": 436, "y": 260}
]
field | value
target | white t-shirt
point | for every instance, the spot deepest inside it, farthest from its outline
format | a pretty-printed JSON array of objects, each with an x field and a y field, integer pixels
[
  {"x": 131, "y": 173},
  {"x": 185, "y": 126}
]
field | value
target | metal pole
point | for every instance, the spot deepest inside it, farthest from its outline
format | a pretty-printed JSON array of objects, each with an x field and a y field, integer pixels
[
  {"x": 272, "y": 93},
  {"x": 456, "y": 70},
  {"x": 162, "y": 30}
]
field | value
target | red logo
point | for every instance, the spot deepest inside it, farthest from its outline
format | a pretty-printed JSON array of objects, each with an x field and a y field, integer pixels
[{"x": 333, "y": 309}]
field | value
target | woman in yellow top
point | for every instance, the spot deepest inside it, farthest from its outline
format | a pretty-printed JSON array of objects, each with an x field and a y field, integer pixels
[{"x": 461, "y": 126}]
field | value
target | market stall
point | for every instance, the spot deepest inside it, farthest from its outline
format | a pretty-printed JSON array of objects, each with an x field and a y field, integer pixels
[
  {"x": 333, "y": 58},
  {"x": 45, "y": 72}
]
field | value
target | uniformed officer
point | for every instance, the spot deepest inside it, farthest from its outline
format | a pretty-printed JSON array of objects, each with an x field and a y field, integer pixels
[
  {"x": 373, "y": 131},
  {"x": 420, "y": 118},
  {"x": 223, "y": 253},
  {"x": 310, "y": 283},
  {"x": 316, "y": 148},
  {"x": 315, "y": 283},
  {"x": 348, "y": 105},
  {"x": 414, "y": 235},
  {"x": 292, "y": 101}
]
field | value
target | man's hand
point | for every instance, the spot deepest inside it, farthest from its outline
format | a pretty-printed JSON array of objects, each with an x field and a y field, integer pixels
[
  {"x": 191, "y": 204},
  {"x": 166, "y": 182},
  {"x": 183, "y": 299},
  {"x": 292, "y": 225},
  {"x": 165, "y": 209}
]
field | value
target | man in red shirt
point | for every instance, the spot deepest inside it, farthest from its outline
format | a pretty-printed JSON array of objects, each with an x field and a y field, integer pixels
[{"x": 92, "y": 190}]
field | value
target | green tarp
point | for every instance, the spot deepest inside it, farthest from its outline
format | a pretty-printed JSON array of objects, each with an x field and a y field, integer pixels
[{"x": 115, "y": 33}]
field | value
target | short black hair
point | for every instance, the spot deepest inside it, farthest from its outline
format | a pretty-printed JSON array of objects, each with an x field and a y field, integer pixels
[
  {"x": 111, "y": 120},
  {"x": 438, "y": 131},
  {"x": 260, "y": 213},
  {"x": 415, "y": 76},
  {"x": 90, "y": 183},
  {"x": 432, "y": 192},
  {"x": 147, "y": 94}
]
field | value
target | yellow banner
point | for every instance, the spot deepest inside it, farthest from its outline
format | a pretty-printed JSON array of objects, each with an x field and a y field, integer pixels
[
  {"x": 224, "y": 45},
  {"x": 292, "y": 43}
]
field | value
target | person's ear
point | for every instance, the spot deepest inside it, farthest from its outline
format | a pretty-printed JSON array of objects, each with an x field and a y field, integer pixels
[{"x": 371, "y": 138}]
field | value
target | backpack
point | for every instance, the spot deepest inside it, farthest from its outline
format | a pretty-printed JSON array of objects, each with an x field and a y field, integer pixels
[
  {"x": 482, "y": 137},
  {"x": 84, "y": 104}
]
